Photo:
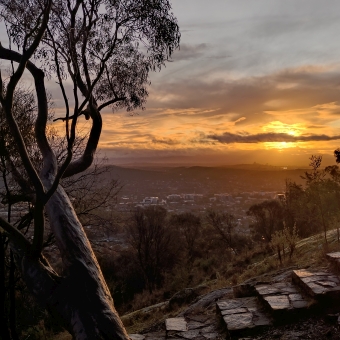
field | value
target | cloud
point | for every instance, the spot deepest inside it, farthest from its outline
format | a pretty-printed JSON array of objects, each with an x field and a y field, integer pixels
[
  {"x": 228, "y": 138},
  {"x": 190, "y": 51},
  {"x": 167, "y": 141},
  {"x": 240, "y": 120}
]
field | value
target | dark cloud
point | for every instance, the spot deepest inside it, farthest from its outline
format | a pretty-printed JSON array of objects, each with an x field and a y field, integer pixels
[
  {"x": 228, "y": 138},
  {"x": 167, "y": 141},
  {"x": 254, "y": 98}
]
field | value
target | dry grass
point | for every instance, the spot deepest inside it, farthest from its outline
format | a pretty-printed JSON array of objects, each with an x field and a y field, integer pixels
[{"x": 310, "y": 252}]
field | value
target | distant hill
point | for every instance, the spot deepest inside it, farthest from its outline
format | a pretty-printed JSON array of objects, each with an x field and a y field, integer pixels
[{"x": 199, "y": 179}]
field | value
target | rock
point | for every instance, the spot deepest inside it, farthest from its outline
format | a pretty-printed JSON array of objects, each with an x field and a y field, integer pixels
[
  {"x": 176, "y": 325},
  {"x": 155, "y": 336},
  {"x": 238, "y": 321},
  {"x": 318, "y": 284},
  {"x": 243, "y": 314},
  {"x": 136, "y": 337},
  {"x": 282, "y": 296},
  {"x": 186, "y": 295},
  {"x": 278, "y": 302},
  {"x": 207, "y": 300}
]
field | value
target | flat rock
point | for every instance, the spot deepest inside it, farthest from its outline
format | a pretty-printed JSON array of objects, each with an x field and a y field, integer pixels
[
  {"x": 194, "y": 334},
  {"x": 242, "y": 314},
  {"x": 278, "y": 302},
  {"x": 317, "y": 283},
  {"x": 155, "y": 336},
  {"x": 283, "y": 296},
  {"x": 239, "y": 321},
  {"x": 197, "y": 331},
  {"x": 176, "y": 324},
  {"x": 137, "y": 337},
  {"x": 333, "y": 256},
  {"x": 195, "y": 325},
  {"x": 211, "y": 336},
  {"x": 235, "y": 311}
]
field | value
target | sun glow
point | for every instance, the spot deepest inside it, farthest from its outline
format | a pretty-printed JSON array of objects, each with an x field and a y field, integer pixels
[
  {"x": 279, "y": 127},
  {"x": 280, "y": 145}
]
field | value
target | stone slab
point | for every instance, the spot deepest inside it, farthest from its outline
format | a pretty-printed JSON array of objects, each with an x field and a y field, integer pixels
[
  {"x": 333, "y": 256},
  {"x": 212, "y": 336},
  {"x": 318, "y": 283},
  {"x": 176, "y": 324},
  {"x": 234, "y": 311},
  {"x": 193, "y": 334},
  {"x": 136, "y": 337},
  {"x": 207, "y": 332},
  {"x": 243, "y": 314},
  {"x": 283, "y": 296},
  {"x": 155, "y": 336},
  {"x": 195, "y": 325},
  {"x": 278, "y": 302},
  {"x": 239, "y": 321}
]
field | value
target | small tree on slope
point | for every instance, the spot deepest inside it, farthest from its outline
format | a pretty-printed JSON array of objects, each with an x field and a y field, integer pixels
[{"x": 106, "y": 49}]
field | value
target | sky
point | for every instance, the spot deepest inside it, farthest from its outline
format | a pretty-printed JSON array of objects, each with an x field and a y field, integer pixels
[{"x": 253, "y": 81}]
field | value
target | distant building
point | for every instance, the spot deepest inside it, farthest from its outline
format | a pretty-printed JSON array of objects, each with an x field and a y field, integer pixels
[
  {"x": 189, "y": 197},
  {"x": 150, "y": 201},
  {"x": 174, "y": 198},
  {"x": 223, "y": 197}
]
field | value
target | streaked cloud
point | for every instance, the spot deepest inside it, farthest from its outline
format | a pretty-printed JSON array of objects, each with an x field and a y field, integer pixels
[
  {"x": 167, "y": 141},
  {"x": 228, "y": 137},
  {"x": 252, "y": 81}
]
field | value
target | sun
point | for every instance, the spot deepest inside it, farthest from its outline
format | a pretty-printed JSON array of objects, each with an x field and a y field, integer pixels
[{"x": 279, "y": 127}]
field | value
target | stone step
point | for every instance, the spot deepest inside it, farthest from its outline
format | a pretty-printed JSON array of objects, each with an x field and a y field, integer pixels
[
  {"x": 195, "y": 328},
  {"x": 243, "y": 315},
  {"x": 148, "y": 336},
  {"x": 322, "y": 286},
  {"x": 282, "y": 298},
  {"x": 334, "y": 259}
]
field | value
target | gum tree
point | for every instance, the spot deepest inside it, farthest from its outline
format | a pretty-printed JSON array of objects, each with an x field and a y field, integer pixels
[{"x": 103, "y": 50}]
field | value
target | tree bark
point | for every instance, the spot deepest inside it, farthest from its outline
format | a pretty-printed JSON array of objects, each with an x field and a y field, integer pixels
[
  {"x": 93, "y": 314},
  {"x": 80, "y": 299},
  {"x": 12, "y": 306},
  {"x": 4, "y": 332}
]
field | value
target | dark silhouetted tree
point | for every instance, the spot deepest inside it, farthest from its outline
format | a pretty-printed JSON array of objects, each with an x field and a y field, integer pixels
[
  {"x": 224, "y": 224},
  {"x": 188, "y": 227},
  {"x": 268, "y": 218},
  {"x": 105, "y": 49},
  {"x": 152, "y": 242}
]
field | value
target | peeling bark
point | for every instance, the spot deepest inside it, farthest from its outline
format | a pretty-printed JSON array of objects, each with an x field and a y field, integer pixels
[{"x": 82, "y": 299}]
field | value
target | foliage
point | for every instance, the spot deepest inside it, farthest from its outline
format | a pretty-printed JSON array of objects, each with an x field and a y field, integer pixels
[
  {"x": 152, "y": 243},
  {"x": 188, "y": 227},
  {"x": 283, "y": 240},
  {"x": 105, "y": 49},
  {"x": 224, "y": 224},
  {"x": 268, "y": 217}
]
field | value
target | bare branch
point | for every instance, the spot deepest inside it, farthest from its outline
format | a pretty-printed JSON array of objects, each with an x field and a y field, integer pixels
[{"x": 16, "y": 236}]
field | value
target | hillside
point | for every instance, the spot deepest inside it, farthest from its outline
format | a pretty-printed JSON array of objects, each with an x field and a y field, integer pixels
[
  {"x": 308, "y": 314},
  {"x": 313, "y": 317}
]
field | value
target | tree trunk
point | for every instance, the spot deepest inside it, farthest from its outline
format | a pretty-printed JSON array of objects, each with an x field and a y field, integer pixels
[
  {"x": 12, "y": 305},
  {"x": 4, "y": 332},
  {"x": 80, "y": 299}
]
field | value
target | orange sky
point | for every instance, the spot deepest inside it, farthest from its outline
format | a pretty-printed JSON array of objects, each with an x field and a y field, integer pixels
[{"x": 253, "y": 82}]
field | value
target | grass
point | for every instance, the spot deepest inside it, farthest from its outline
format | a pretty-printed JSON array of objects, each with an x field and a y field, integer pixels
[{"x": 310, "y": 252}]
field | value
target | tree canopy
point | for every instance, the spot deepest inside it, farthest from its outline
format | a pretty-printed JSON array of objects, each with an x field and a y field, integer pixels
[{"x": 104, "y": 49}]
